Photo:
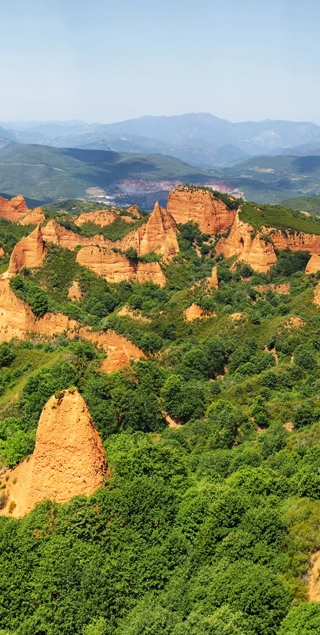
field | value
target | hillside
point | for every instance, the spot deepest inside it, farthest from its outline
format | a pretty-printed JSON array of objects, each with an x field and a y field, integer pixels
[
  {"x": 160, "y": 419},
  {"x": 309, "y": 204},
  {"x": 275, "y": 178},
  {"x": 47, "y": 174}
]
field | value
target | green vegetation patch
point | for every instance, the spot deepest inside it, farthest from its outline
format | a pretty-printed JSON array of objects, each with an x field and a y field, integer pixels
[
  {"x": 309, "y": 204},
  {"x": 278, "y": 217}
]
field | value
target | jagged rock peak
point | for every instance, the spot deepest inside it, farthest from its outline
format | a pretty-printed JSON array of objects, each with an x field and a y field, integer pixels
[
  {"x": 68, "y": 460},
  {"x": 14, "y": 210},
  {"x": 28, "y": 252}
]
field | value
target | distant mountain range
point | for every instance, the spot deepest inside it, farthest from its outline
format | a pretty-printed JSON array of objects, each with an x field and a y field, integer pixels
[{"x": 200, "y": 139}]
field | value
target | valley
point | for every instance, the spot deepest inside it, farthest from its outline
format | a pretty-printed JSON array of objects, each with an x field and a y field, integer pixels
[{"x": 159, "y": 416}]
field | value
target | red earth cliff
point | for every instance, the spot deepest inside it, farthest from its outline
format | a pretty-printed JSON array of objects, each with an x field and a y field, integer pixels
[
  {"x": 17, "y": 320},
  {"x": 28, "y": 252},
  {"x": 313, "y": 265},
  {"x": 59, "y": 235},
  {"x": 68, "y": 460},
  {"x": 34, "y": 217},
  {"x": 159, "y": 234},
  {"x": 248, "y": 245},
  {"x": 115, "y": 267},
  {"x": 201, "y": 206},
  {"x": 14, "y": 210}
]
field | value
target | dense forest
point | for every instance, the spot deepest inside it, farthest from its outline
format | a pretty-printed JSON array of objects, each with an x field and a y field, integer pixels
[{"x": 206, "y": 526}]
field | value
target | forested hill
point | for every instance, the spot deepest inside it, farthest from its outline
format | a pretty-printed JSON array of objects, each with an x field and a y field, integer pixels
[{"x": 208, "y": 521}]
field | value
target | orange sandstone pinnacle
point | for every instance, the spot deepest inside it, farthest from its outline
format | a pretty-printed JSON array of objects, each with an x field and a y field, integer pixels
[{"x": 69, "y": 458}]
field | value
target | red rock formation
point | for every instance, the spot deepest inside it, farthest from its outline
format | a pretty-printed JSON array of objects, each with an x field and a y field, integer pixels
[
  {"x": 119, "y": 350},
  {"x": 159, "y": 234},
  {"x": 14, "y": 210},
  {"x": 28, "y": 252},
  {"x": 213, "y": 281},
  {"x": 294, "y": 241},
  {"x": 68, "y": 460},
  {"x": 34, "y": 217},
  {"x": 313, "y": 265},
  {"x": 210, "y": 213},
  {"x": 17, "y": 319},
  {"x": 59, "y": 235},
  {"x": 134, "y": 211},
  {"x": 74, "y": 292},
  {"x": 99, "y": 217},
  {"x": 248, "y": 245},
  {"x": 115, "y": 267},
  {"x": 194, "y": 312}
]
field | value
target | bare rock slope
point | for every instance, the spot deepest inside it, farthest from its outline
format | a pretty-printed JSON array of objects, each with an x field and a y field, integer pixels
[
  {"x": 68, "y": 460},
  {"x": 201, "y": 206}
]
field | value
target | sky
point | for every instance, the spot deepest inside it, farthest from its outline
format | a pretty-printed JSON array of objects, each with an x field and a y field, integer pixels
[{"x": 110, "y": 60}]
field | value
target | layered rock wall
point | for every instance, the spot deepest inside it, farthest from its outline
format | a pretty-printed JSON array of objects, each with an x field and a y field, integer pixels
[
  {"x": 249, "y": 246},
  {"x": 210, "y": 213},
  {"x": 115, "y": 267}
]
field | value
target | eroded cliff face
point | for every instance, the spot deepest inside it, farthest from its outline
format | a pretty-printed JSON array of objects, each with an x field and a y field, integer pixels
[
  {"x": 159, "y": 234},
  {"x": 28, "y": 252},
  {"x": 295, "y": 241},
  {"x": 59, "y": 235},
  {"x": 17, "y": 319},
  {"x": 115, "y": 267},
  {"x": 101, "y": 218},
  {"x": 33, "y": 217},
  {"x": 68, "y": 460},
  {"x": 210, "y": 213},
  {"x": 107, "y": 217},
  {"x": 14, "y": 210},
  {"x": 313, "y": 265},
  {"x": 249, "y": 246},
  {"x": 119, "y": 350}
]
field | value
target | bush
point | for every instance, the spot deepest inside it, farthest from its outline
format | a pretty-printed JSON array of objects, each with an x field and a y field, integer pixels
[
  {"x": 302, "y": 620},
  {"x": 7, "y": 355}
]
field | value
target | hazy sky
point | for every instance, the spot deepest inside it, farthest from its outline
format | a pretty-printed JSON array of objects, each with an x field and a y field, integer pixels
[{"x": 109, "y": 60}]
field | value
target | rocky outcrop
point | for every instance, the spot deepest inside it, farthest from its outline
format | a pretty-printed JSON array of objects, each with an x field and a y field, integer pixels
[
  {"x": 201, "y": 206},
  {"x": 69, "y": 459},
  {"x": 295, "y": 241},
  {"x": 28, "y": 252},
  {"x": 313, "y": 265},
  {"x": 249, "y": 246},
  {"x": 115, "y": 267},
  {"x": 119, "y": 350},
  {"x": 194, "y": 312},
  {"x": 213, "y": 281},
  {"x": 17, "y": 319},
  {"x": 14, "y": 210},
  {"x": 108, "y": 216},
  {"x": 159, "y": 234},
  {"x": 74, "y": 293},
  {"x": 100, "y": 217},
  {"x": 134, "y": 211},
  {"x": 34, "y": 217},
  {"x": 59, "y": 235}
]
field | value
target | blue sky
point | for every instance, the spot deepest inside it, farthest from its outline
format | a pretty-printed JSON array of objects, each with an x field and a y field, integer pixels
[{"x": 109, "y": 60}]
